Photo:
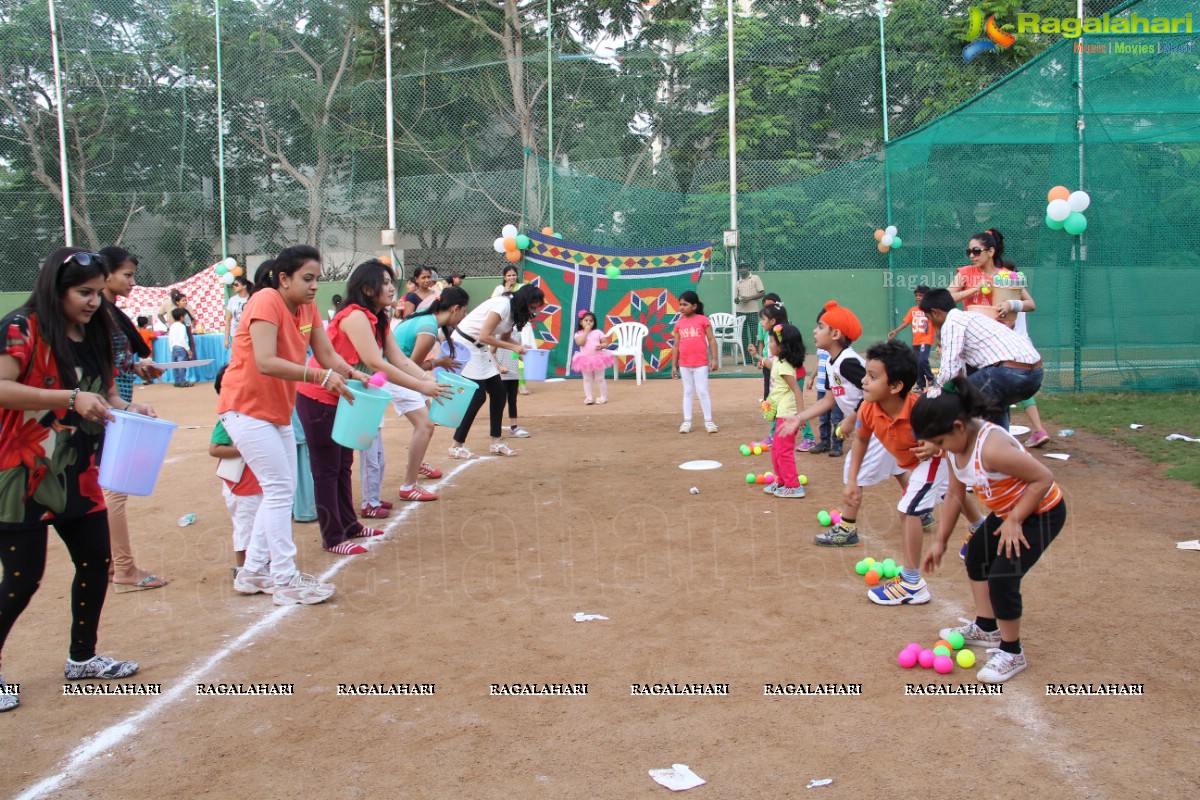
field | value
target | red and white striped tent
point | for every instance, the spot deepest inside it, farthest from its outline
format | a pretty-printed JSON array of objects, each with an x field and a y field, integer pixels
[{"x": 204, "y": 291}]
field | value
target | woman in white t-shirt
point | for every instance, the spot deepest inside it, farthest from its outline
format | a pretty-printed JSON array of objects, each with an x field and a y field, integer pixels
[
  {"x": 234, "y": 306},
  {"x": 491, "y": 324}
]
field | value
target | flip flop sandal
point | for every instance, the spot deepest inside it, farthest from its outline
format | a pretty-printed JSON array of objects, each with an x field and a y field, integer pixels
[{"x": 149, "y": 582}]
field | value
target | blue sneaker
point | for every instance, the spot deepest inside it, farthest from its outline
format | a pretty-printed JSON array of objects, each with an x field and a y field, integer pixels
[
  {"x": 789, "y": 491},
  {"x": 895, "y": 592},
  {"x": 770, "y": 488},
  {"x": 838, "y": 536}
]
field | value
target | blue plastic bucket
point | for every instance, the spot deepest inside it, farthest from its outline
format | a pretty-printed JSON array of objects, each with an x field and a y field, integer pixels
[
  {"x": 450, "y": 412},
  {"x": 135, "y": 447},
  {"x": 537, "y": 362},
  {"x": 462, "y": 354},
  {"x": 355, "y": 425}
]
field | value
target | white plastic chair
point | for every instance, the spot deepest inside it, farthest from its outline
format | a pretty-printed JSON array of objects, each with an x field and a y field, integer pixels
[
  {"x": 628, "y": 337},
  {"x": 727, "y": 330}
]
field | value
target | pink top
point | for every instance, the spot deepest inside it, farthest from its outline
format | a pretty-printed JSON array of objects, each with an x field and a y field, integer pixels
[{"x": 691, "y": 336}]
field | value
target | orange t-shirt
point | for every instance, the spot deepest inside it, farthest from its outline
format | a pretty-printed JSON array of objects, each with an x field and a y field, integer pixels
[
  {"x": 922, "y": 331},
  {"x": 246, "y": 390},
  {"x": 896, "y": 435},
  {"x": 148, "y": 337},
  {"x": 973, "y": 278}
]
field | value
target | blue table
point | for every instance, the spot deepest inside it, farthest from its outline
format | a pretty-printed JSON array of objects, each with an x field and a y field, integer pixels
[{"x": 208, "y": 345}]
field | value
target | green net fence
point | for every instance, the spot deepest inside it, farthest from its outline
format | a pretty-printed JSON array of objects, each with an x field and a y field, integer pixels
[{"x": 620, "y": 139}]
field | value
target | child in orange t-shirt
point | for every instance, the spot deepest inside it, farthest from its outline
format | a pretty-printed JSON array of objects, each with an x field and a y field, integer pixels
[
  {"x": 922, "y": 335},
  {"x": 148, "y": 335}
]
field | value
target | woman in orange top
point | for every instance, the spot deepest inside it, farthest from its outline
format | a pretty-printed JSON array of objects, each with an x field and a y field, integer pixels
[
  {"x": 1027, "y": 512},
  {"x": 279, "y": 323},
  {"x": 986, "y": 252}
]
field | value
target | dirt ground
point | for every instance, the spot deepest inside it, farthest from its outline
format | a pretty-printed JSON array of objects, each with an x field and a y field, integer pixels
[{"x": 723, "y": 587}]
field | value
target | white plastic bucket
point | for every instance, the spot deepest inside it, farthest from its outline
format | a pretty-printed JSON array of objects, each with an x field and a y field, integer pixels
[
  {"x": 135, "y": 447},
  {"x": 537, "y": 363}
]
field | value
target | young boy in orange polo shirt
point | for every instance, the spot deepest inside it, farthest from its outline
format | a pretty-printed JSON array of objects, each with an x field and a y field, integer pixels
[
  {"x": 922, "y": 336},
  {"x": 885, "y": 413}
]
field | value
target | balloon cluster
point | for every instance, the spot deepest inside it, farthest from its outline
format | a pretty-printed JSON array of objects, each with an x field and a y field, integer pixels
[
  {"x": 510, "y": 243},
  {"x": 887, "y": 238},
  {"x": 1064, "y": 210},
  {"x": 227, "y": 269}
]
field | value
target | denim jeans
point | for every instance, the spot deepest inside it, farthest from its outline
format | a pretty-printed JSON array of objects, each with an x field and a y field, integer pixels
[
  {"x": 829, "y": 421},
  {"x": 1004, "y": 386},
  {"x": 179, "y": 354},
  {"x": 924, "y": 372}
]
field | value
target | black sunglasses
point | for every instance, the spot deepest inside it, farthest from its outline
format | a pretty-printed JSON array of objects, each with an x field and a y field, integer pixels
[
  {"x": 85, "y": 259},
  {"x": 974, "y": 251}
]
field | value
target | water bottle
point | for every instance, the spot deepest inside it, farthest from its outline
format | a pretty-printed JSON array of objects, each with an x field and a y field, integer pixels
[
  {"x": 186, "y": 519},
  {"x": 1065, "y": 432}
]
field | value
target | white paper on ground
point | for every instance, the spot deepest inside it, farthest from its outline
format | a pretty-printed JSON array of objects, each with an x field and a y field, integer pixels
[
  {"x": 582, "y": 617},
  {"x": 1133, "y": 426},
  {"x": 1057, "y": 456},
  {"x": 821, "y": 782},
  {"x": 1179, "y": 437},
  {"x": 701, "y": 464},
  {"x": 1194, "y": 544},
  {"x": 677, "y": 778},
  {"x": 1018, "y": 430},
  {"x": 199, "y": 362}
]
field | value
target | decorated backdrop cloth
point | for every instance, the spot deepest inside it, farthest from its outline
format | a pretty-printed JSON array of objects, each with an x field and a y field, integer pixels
[
  {"x": 574, "y": 278},
  {"x": 204, "y": 291}
]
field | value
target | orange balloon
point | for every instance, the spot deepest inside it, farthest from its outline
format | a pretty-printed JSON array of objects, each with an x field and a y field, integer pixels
[
  {"x": 1058, "y": 193},
  {"x": 236, "y": 271},
  {"x": 883, "y": 248},
  {"x": 548, "y": 231},
  {"x": 879, "y": 234},
  {"x": 510, "y": 243},
  {"x": 513, "y": 255},
  {"x": 385, "y": 259}
]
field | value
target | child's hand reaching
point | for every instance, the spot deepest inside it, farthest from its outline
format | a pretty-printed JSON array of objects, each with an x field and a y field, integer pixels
[{"x": 785, "y": 426}]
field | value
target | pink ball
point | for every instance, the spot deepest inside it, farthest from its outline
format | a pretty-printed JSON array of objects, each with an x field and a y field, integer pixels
[
  {"x": 915, "y": 647},
  {"x": 925, "y": 657},
  {"x": 835, "y": 516},
  {"x": 907, "y": 659},
  {"x": 943, "y": 664}
]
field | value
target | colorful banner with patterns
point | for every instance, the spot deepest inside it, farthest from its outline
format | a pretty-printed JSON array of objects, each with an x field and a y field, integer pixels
[{"x": 574, "y": 278}]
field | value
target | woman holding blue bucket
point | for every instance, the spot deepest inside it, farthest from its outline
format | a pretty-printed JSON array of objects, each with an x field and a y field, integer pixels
[
  {"x": 56, "y": 392},
  {"x": 279, "y": 324},
  {"x": 359, "y": 334},
  {"x": 416, "y": 337},
  {"x": 491, "y": 324}
]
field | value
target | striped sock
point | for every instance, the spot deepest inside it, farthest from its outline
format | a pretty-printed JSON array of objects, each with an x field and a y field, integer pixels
[{"x": 911, "y": 576}]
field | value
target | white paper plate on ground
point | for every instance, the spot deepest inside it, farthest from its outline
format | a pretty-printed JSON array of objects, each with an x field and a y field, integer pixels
[
  {"x": 554, "y": 380},
  {"x": 1018, "y": 430},
  {"x": 702, "y": 464}
]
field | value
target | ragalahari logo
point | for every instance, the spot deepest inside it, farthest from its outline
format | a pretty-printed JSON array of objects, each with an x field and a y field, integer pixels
[{"x": 985, "y": 37}]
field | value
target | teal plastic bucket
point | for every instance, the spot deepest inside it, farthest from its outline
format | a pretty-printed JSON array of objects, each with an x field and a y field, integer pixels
[
  {"x": 135, "y": 447},
  {"x": 450, "y": 412},
  {"x": 537, "y": 362},
  {"x": 355, "y": 425}
]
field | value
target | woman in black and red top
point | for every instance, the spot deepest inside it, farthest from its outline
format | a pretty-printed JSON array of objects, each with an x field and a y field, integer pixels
[{"x": 56, "y": 390}]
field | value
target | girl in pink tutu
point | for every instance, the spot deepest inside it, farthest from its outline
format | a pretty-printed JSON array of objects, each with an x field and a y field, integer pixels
[{"x": 591, "y": 360}]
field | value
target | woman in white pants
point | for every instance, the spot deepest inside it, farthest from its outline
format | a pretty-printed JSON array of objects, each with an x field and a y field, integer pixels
[{"x": 279, "y": 323}]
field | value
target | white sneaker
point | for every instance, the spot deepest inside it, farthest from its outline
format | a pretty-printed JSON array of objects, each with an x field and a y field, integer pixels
[
  {"x": 973, "y": 634},
  {"x": 710, "y": 426},
  {"x": 248, "y": 582},
  {"x": 519, "y": 432},
  {"x": 1001, "y": 666},
  {"x": 686, "y": 427},
  {"x": 303, "y": 590}
]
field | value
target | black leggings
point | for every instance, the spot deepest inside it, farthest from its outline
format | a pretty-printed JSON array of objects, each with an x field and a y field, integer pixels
[
  {"x": 1003, "y": 574},
  {"x": 23, "y": 555},
  {"x": 510, "y": 392},
  {"x": 493, "y": 388},
  {"x": 766, "y": 382}
]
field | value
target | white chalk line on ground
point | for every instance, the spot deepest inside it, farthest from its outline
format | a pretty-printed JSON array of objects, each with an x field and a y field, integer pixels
[{"x": 112, "y": 735}]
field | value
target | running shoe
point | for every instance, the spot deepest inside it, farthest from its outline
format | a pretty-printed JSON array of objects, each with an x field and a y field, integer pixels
[
  {"x": 837, "y": 536},
  {"x": 973, "y": 634},
  {"x": 99, "y": 667},
  {"x": 1001, "y": 666},
  {"x": 417, "y": 493},
  {"x": 895, "y": 592},
  {"x": 304, "y": 590}
]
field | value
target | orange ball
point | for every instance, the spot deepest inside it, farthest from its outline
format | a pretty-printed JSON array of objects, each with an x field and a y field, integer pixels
[
  {"x": 941, "y": 642},
  {"x": 512, "y": 255},
  {"x": 872, "y": 577},
  {"x": 1058, "y": 193},
  {"x": 548, "y": 231}
]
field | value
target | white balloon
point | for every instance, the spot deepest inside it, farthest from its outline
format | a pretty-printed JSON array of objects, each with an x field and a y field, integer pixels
[
  {"x": 498, "y": 245},
  {"x": 887, "y": 240},
  {"x": 1079, "y": 201},
  {"x": 231, "y": 262},
  {"x": 891, "y": 230},
  {"x": 227, "y": 278},
  {"x": 508, "y": 230},
  {"x": 1058, "y": 210}
]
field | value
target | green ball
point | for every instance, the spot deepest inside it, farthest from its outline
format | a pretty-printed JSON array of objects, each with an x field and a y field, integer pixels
[
  {"x": 862, "y": 567},
  {"x": 890, "y": 571},
  {"x": 523, "y": 242},
  {"x": 965, "y": 659},
  {"x": 824, "y": 518},
  {"x": 889, "y": 563},
  {"x": 613, "y": 272},
  {"x": 804, "y": 480},
  {"x": 745, "y": 449},
  {"x": 956, "y": 640},
  {"x": 941, "y": 650},
  {"x": 1075, "y": 223},
  {"x": 749, "y": 477},
  {"x": 1054, "y": 224}
]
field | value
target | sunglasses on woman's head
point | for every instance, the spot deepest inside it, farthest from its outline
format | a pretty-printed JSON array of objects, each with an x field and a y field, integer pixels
[
  {"x": 974, "y": 251},
  {"x": 84, "y": 259}
]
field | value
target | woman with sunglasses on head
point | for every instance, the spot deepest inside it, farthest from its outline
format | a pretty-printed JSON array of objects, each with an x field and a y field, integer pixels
[
  {"x": 127, "y": 343},
  {"x": 258, "y": 394},
  {"x": 56, "y": 392},
  {"x": 491, "y": 324}
]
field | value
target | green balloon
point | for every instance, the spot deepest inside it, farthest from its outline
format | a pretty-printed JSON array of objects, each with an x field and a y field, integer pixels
[
  {"x": 522, "y": 242},
  {"x": 1054, "y": 224},
  {"x": 1075, "y": 223},
  {"x": 824, "y": 518},
  {"x": 896, "y": 243}
]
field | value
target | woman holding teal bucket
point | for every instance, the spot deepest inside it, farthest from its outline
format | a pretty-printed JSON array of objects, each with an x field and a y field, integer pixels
[{"x": 359, "y": 334}]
